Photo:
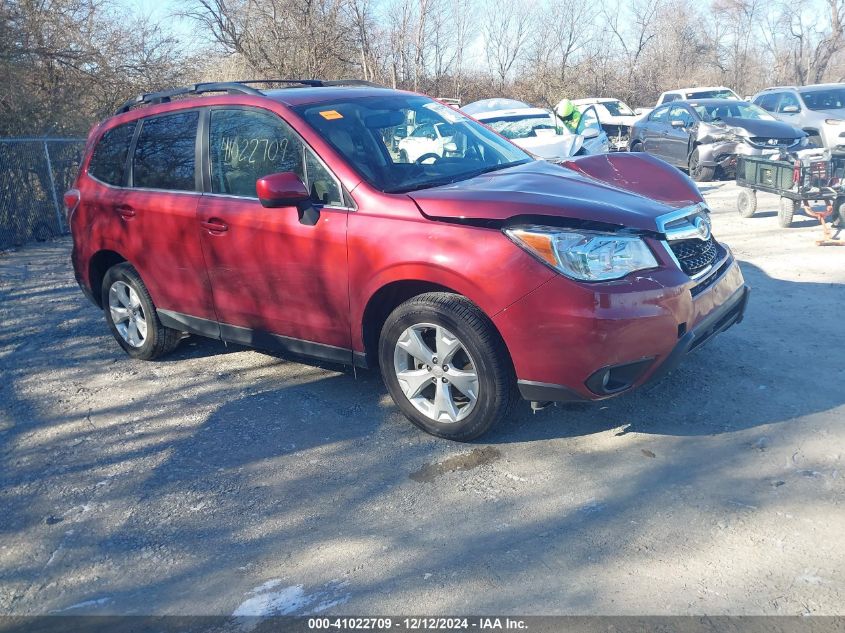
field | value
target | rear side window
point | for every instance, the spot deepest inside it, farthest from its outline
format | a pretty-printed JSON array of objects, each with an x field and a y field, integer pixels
[
  {"x": 108, "y": 163},
  {"x": 165, "y": 154},
  {"x": 246, "y": 145}
]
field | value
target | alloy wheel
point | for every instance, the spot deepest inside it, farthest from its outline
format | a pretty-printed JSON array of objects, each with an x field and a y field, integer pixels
[
  {"x": 436, "y": 372},
  {"x": 127, "y": 313}
]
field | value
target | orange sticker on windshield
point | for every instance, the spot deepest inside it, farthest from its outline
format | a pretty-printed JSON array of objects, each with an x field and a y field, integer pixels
[{"x": 330, "y": 115}]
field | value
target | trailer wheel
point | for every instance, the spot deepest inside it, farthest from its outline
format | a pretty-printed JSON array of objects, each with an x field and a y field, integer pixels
[
  {"x": 746, "y": 203},
  {"x": 788, "y": 207},
  {"x": 838, "y": 217}
]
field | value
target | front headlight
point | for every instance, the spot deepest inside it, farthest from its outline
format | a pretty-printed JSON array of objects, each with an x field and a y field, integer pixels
[
  {"x": 834, "y": 121},
  {"x": 584, "y": 255}
]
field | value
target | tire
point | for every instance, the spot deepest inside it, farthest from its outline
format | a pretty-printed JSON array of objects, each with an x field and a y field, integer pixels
[
  {"x": 403, "y": 156},
  {"x": 786, "y": 211},
  {"x": 697, "y": 171},
  {"x": 746, "y": 203},
  {"x": 124, "y": 292},
  {"x": 636, "y": 146},
  {"x": 839, "y": 214},
  {"x": 470, "y": 341},
  {"x": 815, "y": 140}
]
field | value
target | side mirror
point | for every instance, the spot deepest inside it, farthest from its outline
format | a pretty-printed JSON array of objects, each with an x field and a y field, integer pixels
[
  {"x": 284, "y": 189},
  {"x": 677, "y": 123},
  {"x": 590, "y": 132},
  {"x": 792, "y": 109}
]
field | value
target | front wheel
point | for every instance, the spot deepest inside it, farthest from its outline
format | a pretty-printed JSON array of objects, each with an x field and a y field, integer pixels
[
  {"x": 446, "y": 366},
  {"x": 132, "y": 316},
  {"x": 697, "y": 171}
]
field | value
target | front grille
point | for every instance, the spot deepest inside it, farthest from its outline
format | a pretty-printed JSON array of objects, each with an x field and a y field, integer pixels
[
  {"x": 765, "y": 141},
  {"x": 695, "y": 255}
]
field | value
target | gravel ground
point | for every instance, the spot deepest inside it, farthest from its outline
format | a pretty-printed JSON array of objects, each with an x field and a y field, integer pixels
[{"x": 224, "y": 480}]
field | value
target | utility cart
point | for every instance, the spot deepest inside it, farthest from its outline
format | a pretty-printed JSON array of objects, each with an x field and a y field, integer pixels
[{"x": 799, "y": 181}]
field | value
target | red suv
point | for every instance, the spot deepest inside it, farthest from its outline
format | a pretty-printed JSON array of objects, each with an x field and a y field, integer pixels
[{"x": 287, "y": 219}]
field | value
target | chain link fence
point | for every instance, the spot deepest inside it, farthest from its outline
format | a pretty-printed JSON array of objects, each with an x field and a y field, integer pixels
[{"x": 34, "y": 174}]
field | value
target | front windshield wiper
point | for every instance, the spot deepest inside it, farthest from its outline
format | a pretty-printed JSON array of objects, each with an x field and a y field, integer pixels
[{"x": 428, "y": 184}]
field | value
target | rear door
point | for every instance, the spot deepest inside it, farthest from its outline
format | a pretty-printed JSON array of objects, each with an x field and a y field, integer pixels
[
  {"x": 656, "y": 130},
  {"x": 159, "y": 214},
  {"x": 676, "y": 143},
  {"x": 271, "y": 271}
]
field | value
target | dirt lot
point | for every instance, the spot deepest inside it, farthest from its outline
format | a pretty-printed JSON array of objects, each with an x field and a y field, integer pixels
[{"x": 227, "y": 481}]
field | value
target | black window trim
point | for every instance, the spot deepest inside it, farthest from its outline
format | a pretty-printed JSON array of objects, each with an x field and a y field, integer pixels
[
  {"x": 204, "y": 146},
  {"x": 126, "y": 175},
  {"x": 197, "y": 190}
]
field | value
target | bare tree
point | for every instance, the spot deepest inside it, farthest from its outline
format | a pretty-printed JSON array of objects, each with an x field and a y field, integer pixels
[{"x": 506, "y": 26}]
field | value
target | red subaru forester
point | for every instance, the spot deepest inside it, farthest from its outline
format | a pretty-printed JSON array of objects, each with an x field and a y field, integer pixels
[{"x": 288, "y": 219}]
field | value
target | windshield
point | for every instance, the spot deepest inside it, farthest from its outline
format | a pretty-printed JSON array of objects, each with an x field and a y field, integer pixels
[
  {"x": 741, "y": 110},
  {"x": 617, "y": 108},
  {"x": 829, "y": 99},
  {"x": 723, "y": 93},
  {"x": 405, "y": 142},
  {"x": 522, "y": 126}
]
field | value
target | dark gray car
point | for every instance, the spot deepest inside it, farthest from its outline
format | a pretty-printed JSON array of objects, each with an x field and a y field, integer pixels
[{"x": 708, "y": 134}]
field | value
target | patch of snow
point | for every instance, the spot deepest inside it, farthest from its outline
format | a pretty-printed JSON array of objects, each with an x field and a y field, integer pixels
[
  {"x": 269, "y": 603},
  {"x": 98, "y": 602}
]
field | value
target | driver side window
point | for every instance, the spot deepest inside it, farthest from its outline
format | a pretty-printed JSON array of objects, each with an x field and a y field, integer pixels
[
  {"x": 789, "y": 99},
  {"x": 680, "y": 113},
  {"x": 245, "y": 145},
  {"x": 659, "y": 115}
]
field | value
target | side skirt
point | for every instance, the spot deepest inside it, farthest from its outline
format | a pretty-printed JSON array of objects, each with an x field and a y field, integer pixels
[{"x": 261, "y": 339}]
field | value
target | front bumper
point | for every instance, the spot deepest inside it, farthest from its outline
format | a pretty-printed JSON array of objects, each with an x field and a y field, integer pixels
[{"x": 571, "y": 342}]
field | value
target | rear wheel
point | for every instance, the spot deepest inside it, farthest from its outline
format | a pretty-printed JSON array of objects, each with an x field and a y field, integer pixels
[
  {"x": 446, "y": 366},
  {"x": 746, "y": 203},
  {"x": 132, "y": 316},
  {"x": 697, "y": 171},
  {"x": 787, "y": 210},
  {"x": 636, "y": 146}
]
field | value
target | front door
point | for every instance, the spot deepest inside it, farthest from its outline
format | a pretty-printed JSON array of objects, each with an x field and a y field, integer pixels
[
  {"x": 278, "y": 280},
  {"x": 656, "y": 131}
]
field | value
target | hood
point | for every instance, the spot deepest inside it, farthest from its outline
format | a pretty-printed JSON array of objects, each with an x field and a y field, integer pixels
[
  {"x": 575, "y": 192},
  {"x": 549, "y": 146},
  {"x": 768, "y": 129}
]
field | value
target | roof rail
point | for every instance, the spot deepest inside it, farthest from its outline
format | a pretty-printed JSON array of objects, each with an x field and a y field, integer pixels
[{"x": 234, "y": 87}]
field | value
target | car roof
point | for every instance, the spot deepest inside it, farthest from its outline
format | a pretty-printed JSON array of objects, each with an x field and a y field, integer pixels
[
  {"x": 715, "y": 102},
  {"x": 698, "y": 89},
  {"x": 491, "y": 114},
  {"x": 306, "y": 96},
  {"x": 814, "y": 87},
  {"x": 493, "y": 105}
]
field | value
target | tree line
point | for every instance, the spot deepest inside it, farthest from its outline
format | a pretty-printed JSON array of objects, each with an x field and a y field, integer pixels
[{"x": 67, "y": 63}]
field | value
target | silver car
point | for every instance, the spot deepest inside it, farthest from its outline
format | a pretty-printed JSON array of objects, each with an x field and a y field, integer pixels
[{"x": 819, "y": 110}]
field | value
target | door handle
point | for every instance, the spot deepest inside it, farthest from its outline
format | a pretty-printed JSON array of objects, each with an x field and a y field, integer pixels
[
  {"x": 125, "y": 211},
  {"x": 214, "y": 226}
]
